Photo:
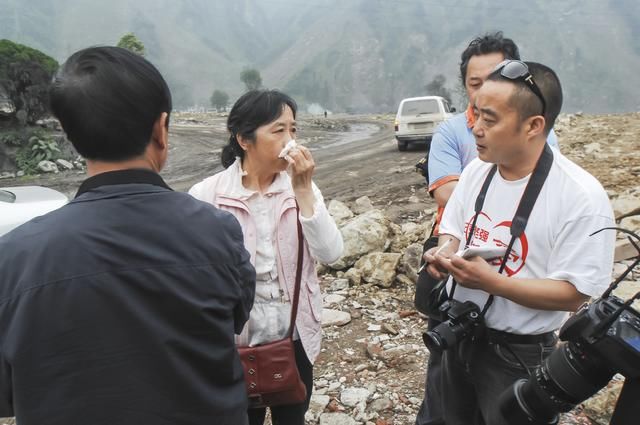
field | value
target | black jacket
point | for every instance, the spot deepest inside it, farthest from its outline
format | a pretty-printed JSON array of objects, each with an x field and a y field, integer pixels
[{"x": 121, "y": 308}]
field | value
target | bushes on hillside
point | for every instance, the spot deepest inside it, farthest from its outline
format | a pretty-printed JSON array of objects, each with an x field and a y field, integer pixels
[{"x": 25, "y": 75}]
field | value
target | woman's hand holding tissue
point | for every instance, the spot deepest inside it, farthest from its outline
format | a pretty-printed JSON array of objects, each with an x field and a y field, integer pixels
[{"x": 301, "y": 167}]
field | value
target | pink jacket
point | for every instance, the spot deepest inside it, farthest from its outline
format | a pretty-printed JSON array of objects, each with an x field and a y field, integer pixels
[{"x": 221, "y": 189}]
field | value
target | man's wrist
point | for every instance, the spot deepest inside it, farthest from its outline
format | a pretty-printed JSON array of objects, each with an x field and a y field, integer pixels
[{"x": 498, "y": 285}]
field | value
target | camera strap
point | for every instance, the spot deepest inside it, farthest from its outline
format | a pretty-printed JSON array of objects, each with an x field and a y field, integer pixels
[{"x": 519, "y": 222}]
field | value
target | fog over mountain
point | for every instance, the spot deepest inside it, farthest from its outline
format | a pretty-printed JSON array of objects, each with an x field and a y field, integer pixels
[{"x": 347, "y": 55}]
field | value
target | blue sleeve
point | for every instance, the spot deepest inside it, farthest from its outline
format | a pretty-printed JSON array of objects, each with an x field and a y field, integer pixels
[
  {"x": 444, "y": 157},
  {"x": 552, "y": 140}
]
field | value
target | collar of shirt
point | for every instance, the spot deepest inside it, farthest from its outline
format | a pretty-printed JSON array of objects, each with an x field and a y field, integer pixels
[
  {"x": 238, "y": 191},
  {"x": 471, "y": 118},
  {"x": 130, "y": 176}
]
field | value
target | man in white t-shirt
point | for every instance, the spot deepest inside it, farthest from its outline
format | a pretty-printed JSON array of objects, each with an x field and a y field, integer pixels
[{"x": 553, "y": 267}]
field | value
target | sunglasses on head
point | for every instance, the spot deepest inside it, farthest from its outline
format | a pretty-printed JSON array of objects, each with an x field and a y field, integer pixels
[{"x": 518, "y": 70}]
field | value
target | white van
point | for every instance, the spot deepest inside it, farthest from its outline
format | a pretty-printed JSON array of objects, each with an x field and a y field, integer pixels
[{"x": 418, "y": 118}]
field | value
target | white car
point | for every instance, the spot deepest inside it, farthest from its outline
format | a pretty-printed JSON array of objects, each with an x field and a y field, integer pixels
[
  {"x": 418, "y": 118},
  {"x": 20, "y": 204}
]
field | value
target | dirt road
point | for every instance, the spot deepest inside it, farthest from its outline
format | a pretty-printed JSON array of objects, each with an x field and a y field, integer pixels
[{"x": 354, "y": 155}]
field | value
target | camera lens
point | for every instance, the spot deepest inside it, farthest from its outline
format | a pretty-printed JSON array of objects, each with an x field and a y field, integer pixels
[
  {"x": 517, "y": 411},
  {"x": 433, "y": 341},
  {"x": 568, "y": 376},
  {"x": 442, "y": 336}
]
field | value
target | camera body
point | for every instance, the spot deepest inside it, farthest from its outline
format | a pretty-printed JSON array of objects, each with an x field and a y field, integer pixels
[
  {"x": 601, "y": 339},
  {"x": 615, "y": 341},
  {"x": 461, "y": 320}
]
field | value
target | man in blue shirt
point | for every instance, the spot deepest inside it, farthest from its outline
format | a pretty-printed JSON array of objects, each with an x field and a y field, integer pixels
[{"x": 453, "y": 145}]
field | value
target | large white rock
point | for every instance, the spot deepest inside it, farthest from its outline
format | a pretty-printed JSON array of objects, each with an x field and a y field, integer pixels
[
  {"x": 47, "y": 167},
  {"x": 339, "y": 211},
  {"x": 631, "y": 223},
  {"x": 408, "y": 234},
  {"x": 354, "y": 276},
  {"x": 380, "y": 405},
  {"x": 333, "y": 299},
  {"x": 316, "y": 406},
  {"x": 64, "y": 164},
  {"x": 337, "y": 419},
  {"x": 625, "y": 202},
  {"x": 334, "y": 317},
  {"x": 379, "y": 268},
  {"x": 339, "y": 285},
  {"x": 362, "y": 234},
  {"x": 7, "y": 175},
  {"x": 403, "y": 357},
  {"x": 627, "y": 289},
  {"x": 362, "y": 205},
  {"x": 352, "y": 396},
  {"x": 416, "y": 231}
]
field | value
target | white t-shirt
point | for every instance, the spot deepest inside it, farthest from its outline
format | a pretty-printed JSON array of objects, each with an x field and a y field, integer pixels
[{"x": 555, "y": 244}]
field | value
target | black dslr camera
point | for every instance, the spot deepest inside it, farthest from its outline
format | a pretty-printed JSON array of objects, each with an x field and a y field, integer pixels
[
  {"x": 461, "y": 320},
  {"x": 601, "y": 339}
]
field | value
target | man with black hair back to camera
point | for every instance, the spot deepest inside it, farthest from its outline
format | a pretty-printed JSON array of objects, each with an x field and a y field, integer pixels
[
  {"x": 121, "y": 307},
  {"x": 452, "y": 149},
  {"x": 553, "y": 266}
]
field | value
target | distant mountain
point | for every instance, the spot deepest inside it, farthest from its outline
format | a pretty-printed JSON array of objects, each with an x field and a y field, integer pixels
[{"x": 347, "y": 55}]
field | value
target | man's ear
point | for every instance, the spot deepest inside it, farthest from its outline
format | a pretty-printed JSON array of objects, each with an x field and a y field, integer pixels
[
  {"x": 160, "y": 133},
  {"x": 536, "y": 126}
]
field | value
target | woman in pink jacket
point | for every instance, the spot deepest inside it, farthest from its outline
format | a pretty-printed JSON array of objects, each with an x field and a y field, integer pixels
[{"x": 261, "y": 190}]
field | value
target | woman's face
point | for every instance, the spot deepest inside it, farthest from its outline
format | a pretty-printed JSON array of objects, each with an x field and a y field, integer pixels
[{"x": 271, "y": 138}]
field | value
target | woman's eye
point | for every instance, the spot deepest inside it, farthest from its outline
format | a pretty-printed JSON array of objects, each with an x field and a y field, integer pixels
[{"x": 293, "y": 130}]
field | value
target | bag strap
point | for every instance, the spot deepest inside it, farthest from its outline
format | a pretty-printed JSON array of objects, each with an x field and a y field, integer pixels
[{"x": 296, "y": 290}]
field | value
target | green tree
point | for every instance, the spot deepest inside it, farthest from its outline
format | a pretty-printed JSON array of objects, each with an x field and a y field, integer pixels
[
  {"x": 25, "y": 75},
  {"x": 130, "y": 42},
  {"x": 251, "y": 78},
  {"x": 219, "y": 100},
  {"x": 436, "y": 87}
]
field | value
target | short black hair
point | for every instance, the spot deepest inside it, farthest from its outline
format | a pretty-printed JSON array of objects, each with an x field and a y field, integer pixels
[
  {"x": 483, "y": 45},
  {"x": 525, "y": 100},
  {"x": 107, "y": 100},
  {"x": 253, "y": 109}
]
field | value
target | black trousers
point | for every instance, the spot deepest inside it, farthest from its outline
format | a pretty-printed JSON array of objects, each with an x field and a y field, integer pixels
[
  {"x": 475, "y": 373},
  {"x": 430, "y": 412},
  {"x": 292, "y": 414}
]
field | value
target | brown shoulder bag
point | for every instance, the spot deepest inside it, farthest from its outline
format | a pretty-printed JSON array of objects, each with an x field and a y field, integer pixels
[{"x": 270, "y": 370}]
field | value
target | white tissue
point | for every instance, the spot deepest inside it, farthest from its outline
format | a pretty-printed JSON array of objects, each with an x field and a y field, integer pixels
[{"x": 290, "y": 145}]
